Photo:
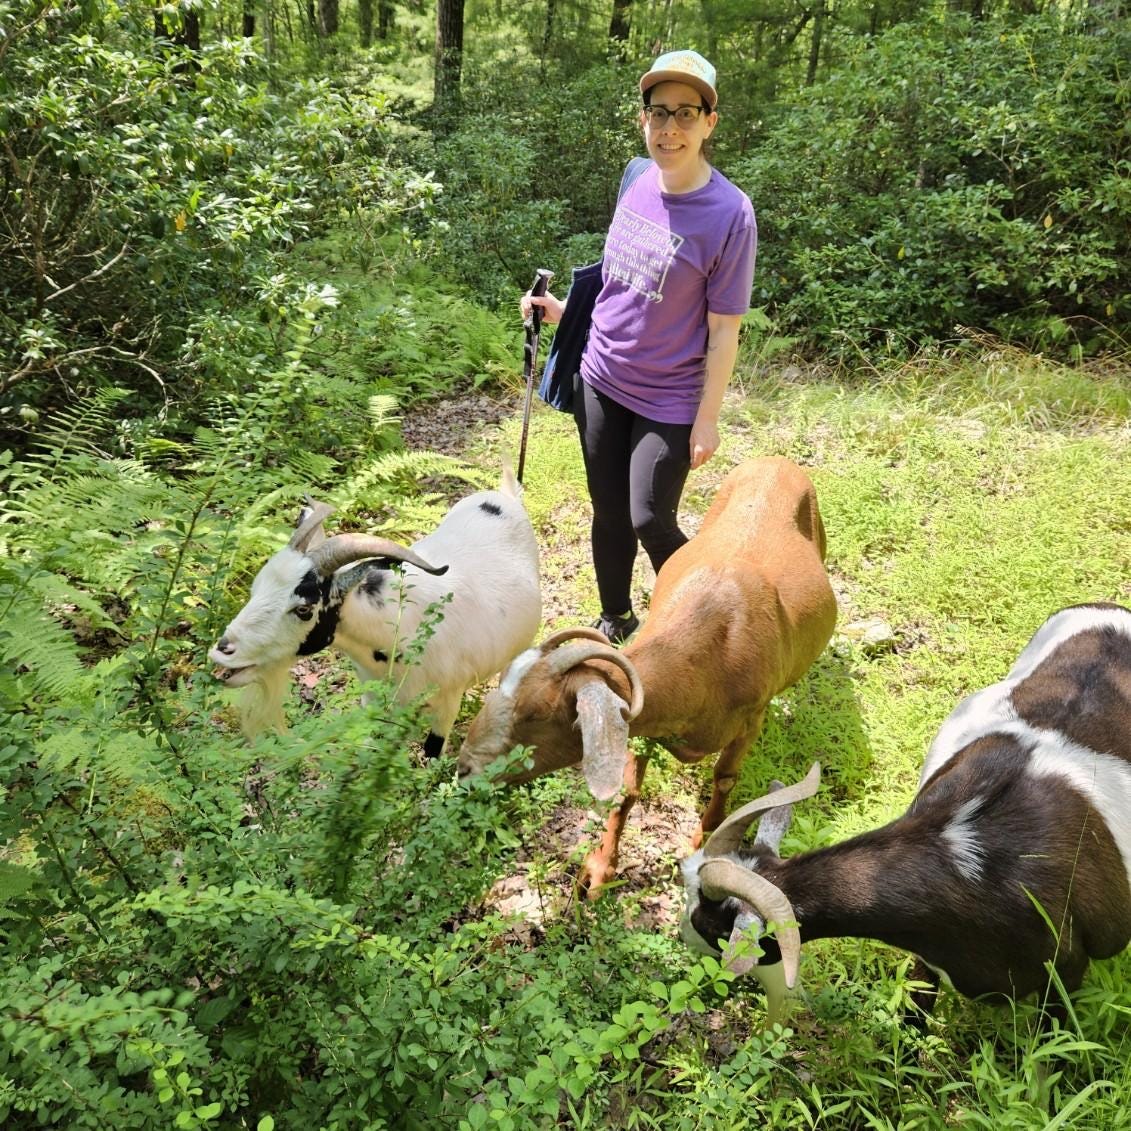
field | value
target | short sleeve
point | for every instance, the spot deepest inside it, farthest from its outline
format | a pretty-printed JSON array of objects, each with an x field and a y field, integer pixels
[{"x": 732, "y": 279}]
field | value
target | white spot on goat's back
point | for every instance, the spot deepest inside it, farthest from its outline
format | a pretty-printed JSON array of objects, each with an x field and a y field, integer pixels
[
  {"x": 962, "y": 839},
  {"x": 1063, "y": 626},
  {"x": 979, "y": 714},
  {"x": 990, "y": 709},
  {"x": 1104, "y": 781}
]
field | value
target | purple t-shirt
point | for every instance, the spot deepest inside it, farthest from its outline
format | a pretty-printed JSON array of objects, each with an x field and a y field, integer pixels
[{"x": 669, "y": 259}]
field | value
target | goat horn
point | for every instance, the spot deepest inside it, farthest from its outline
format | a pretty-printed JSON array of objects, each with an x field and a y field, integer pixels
[
  {"x": 564, "y": 634},
  {"x": 720, "y": 878},
  {"x": 564, "y": 659},
  {"x": 345, "y": 548},
  {"x": 728, "y": 836},
  {"x": 312, "y": 517}
]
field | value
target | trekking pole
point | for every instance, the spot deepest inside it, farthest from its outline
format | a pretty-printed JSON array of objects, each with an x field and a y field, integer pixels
[{"x": 532, "y": 326}]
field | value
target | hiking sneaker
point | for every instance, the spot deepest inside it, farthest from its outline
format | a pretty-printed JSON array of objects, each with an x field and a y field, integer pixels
[{"x": 617, "y": 629}]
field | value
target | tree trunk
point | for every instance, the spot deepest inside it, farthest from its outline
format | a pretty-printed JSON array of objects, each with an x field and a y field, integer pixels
[
  {"x": 547, "y": 32},
  {"x": 385, "y": 12},
  {"x": 248, "y": 19},
  {"x": 187, "y": 35},
  {"x": 815, "y": 43},
  {"x": 448, "y": 63},
  {"x": 618, "y": 27},
  {"x": 365, "y": 22},
  {"x": 327, "y": 17}
]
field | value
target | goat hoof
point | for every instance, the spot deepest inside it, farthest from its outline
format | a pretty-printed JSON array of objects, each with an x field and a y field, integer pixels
[{"x": 593, "y": 878}]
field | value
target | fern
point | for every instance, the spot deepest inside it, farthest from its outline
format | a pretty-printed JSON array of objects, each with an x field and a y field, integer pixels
[
  {"x": 391, "y": 485},
  {"x": 32, "y": 642},
  {"x": 81, "y": 428}
]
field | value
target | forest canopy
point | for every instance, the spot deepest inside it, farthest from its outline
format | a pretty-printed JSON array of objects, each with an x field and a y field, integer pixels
[{"x": 165, "y": 175}]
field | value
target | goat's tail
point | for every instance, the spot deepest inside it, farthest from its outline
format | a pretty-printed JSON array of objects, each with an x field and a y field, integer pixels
[{"x": 508, "y": 482}]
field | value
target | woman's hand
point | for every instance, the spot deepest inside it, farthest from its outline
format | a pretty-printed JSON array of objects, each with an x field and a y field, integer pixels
[
  {"x": 552, "y": 308},
  {"x": 704, "y": 441}
]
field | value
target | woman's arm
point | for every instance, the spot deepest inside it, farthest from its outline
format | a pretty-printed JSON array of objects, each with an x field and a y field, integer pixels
[{"x": 722, "y": 350}]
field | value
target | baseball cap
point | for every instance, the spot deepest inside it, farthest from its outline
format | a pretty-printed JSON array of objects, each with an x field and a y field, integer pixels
[{"x": 683, "y": 66}]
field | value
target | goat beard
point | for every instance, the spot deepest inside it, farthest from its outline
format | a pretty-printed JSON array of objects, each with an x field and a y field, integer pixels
[{"x": 261, "y": 703}]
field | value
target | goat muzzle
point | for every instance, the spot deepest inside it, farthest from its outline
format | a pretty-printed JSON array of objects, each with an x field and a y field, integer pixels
[{"x": 721, "y": 877}]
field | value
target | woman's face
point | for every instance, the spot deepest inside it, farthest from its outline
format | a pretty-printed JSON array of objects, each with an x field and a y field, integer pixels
[{"x": 673, "y": 144}]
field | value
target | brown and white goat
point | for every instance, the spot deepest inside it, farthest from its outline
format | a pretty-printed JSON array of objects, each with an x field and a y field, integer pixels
[
  {"x": 1015, "y": 853},
  {"x": 738, "y": 614}
]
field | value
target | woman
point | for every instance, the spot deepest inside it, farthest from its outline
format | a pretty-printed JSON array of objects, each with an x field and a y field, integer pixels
[{"x": 678, "y": 268}]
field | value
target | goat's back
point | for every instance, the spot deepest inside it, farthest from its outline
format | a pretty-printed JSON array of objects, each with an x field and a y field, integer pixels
[
  {"x": 748, "y": 596},
  {"x": 1031, "y": 779},
  {"x": 766, "y": 498},
  {"x": 489, "y": 597}
]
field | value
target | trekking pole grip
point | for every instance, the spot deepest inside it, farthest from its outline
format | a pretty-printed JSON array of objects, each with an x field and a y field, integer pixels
[{"x": 539, "y": 287}]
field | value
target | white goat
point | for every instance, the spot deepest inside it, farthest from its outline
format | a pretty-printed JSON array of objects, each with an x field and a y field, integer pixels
[
  {"x": 1015, "y": 853},
  {"x": 478, "y": 570},
  {"x": 738, "y": 614}
]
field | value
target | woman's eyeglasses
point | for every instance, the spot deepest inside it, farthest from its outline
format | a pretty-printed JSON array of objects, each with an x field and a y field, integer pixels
[{"x": 685, "y": 116}]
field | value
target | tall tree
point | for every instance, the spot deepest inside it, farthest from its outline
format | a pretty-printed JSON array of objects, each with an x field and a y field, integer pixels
[
  {"x": 385, "y": 12},
  {"x": 448, "y": 62}
]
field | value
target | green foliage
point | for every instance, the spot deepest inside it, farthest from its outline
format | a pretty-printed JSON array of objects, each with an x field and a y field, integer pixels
[
  {"x": 404, "y": 330},
  {"x": 526, "y": 177},
  {"x": 145, "y": 189},
  {"x": 299, "y": 933},
  {"x": 955, "y": 175},
  {"x": 244, "y": 290}
]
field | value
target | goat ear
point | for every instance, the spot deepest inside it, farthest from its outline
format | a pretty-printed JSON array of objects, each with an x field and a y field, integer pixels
[
  {"x": 773, "y": 825},
  {"x": 604, "y": 738},
  {"x": 308, "y": 530},
  {"x": 747, "y": 926}
]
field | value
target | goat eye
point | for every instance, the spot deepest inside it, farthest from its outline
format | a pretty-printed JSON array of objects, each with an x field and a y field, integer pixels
[{"x": 303, "y": 612}]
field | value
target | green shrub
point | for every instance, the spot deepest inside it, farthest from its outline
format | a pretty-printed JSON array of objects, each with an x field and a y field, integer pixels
[{"x": 955, "y": 175}]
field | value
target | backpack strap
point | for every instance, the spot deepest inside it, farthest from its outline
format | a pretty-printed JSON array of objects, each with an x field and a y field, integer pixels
[{"x": 632, "y": 170}]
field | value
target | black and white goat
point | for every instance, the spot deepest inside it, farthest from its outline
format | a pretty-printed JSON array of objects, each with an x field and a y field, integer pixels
[
  {"x": 1015, "y": 853},
  {"x": 478, "y": 571}
]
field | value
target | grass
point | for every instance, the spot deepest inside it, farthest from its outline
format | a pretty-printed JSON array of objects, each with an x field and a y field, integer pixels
[{"x": 965, "y": 499}]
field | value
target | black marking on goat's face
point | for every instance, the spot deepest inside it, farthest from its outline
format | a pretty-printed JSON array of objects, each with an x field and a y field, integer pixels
[
  {"x": 714, "y": 920},
  {"x": 315, "y": 593},
  {"x": 491, "y": 508}
]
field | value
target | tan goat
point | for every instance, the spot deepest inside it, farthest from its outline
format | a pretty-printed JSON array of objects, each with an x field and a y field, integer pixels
[{"x": 738, "y": 614}]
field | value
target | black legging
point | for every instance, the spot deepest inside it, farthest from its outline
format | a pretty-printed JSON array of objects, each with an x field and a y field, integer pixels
[{"x": 636, "y": 469}]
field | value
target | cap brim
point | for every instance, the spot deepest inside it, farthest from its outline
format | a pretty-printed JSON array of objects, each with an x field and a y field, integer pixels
[{"x": 652, "y": 78}]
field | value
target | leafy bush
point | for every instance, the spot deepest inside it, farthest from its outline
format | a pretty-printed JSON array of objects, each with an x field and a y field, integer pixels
[
  {"x": 524, "y": 178},
  {"x": 944, "y": 180},
  {"x": 200, "y": 933},
  {"x": 146, "y": 189}
]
